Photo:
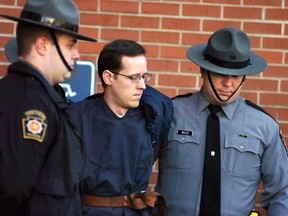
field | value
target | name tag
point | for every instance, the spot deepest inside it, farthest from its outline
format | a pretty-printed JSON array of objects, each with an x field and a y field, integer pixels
[{"x": 184, "y": 132}]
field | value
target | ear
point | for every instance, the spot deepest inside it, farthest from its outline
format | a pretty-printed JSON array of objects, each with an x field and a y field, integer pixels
[
  {"x": 41, "y": 45},
  {"x": 108, "y": 77},
  {"x": 202, "y": 71}
]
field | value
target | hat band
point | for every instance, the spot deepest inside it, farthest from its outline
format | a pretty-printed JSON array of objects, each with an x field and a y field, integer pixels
[
  {"x": 49, "y": 21},
  {"x": 226, "y": 64}
]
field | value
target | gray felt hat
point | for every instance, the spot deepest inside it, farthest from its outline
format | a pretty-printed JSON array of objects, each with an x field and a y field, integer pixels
[
  {"x": 60, "y": 15},
  {"x": 227, "y": 52}
]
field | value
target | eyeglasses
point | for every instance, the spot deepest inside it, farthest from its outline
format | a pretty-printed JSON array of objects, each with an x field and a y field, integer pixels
[{"x": 135, "y": 78}]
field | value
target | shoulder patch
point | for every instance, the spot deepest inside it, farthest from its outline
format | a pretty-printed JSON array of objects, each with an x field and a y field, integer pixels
[
  {"x": 183, "y": 95},
  {"x": 34, "y": 126},
  {"x": 262, "y": 110}
]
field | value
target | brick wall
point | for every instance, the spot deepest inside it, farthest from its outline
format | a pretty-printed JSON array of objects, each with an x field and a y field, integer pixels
[{"x": 167, "y": 28}]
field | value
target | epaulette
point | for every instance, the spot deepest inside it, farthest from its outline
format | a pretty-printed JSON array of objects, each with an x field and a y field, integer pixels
[
  {"x": 262, "y": 110},
  {"x": 183, "y": 95},
  {"x": 259, "y": 108}
]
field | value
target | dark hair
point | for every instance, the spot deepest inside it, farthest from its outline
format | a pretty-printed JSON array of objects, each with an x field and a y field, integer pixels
[{"x": 110, "y": 57}]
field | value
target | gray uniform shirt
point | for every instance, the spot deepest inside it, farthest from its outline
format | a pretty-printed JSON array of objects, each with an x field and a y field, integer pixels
[{"x": 251, "y": 150}]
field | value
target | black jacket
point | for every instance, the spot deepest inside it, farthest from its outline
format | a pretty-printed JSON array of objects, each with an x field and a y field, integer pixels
[{"x": 40, "y": 149}]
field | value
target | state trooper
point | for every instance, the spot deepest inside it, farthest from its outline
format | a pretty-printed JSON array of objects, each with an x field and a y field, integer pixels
[
  {"x": 40, "y": 148},
  {"x": 251, "y": 149}
]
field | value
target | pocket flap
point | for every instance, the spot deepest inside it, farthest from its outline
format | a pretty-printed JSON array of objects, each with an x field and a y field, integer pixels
[{"x": 242, "y": 143}]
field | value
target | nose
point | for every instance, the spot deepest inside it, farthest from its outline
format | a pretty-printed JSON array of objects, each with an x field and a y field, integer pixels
[
  {"x": 227, "y": 80},
  {"x": 141, "y": 84},
  {"x": 76, "y": 55}
]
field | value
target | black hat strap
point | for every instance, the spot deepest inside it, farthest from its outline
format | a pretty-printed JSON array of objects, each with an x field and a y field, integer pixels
[
  {"x": 215, "y": 92},
  {"x": 225, "y": 64},
  {"x": 59, "y": 50},
  {"x": 49, "y": 21}
]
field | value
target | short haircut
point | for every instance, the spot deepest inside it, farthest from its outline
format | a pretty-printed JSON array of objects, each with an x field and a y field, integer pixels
[
  {"x": 28, "y": 33},
  {"x": 110, "y": 57}
]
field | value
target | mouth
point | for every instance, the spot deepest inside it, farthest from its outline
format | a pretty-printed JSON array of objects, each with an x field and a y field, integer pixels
[
  {"x": 224, "y": 93},
  {"x": 138, "y": 96}
]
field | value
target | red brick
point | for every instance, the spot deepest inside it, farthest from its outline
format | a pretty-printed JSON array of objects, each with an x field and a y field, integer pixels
[
  {"x": 87, "y": 57},
  {"x": 286, "y": 58},
  {"x": 256, "y": 41},
  {"x": 183, "y": 91},
  {"x": 11, "y": 12},
  {"x": 3, "y": 70},
  {"x": 152, "y": 50},
  {"x": 162, "y": 65},
  {"x": 272, "y": 57},
  {"x": 91, "y": 32},
  {"x": 181, "y": 24},
  {"x": 262, "y": 28},
  {"x": 189, "y": 67},
  {"x": 3, "y": 56},
  {"x": 252, "y": 96},
  {"x": 99, "y": 19},
  {"x": 4, "y": 39},
  {"x": 7, "y": 27},
  {"x": 170, "y": 92},
  {"x": 173, "y": 52},
  {"x": 275, "y": 43},
  {"x": 21, "y": 2},
  {"x": 263, "y": 3},
  {"x": 275, "y": 99},
  {"x": 214, "y": 25},
  {"x": 284, "y": 85},
  {"x": 112, "y": 34},
  {"x": 260, "y": 85},
  {"x": 87, "y": 5},
  {"x": 140, "y": 22},
  {"x": 7, "y": 2},
  {"x": 160, "y": 8},
  {"x": 278, "y": 114},
  {"x": 89, "y": 47},
  {"x": 119, "y": 6},
  {"x": 276, "y": 14},
  {"x": 286, "y": 28},
  {"x": 201, "y": 10},
  {"x": 276, "y": 71},
  {"x": 160, "y": 37},
  {"x": 177, "y": 80},
  {"x": 242, "y": 12},
  {"x": 195, "y": 38},
  {"x": 223, "y": 1}
]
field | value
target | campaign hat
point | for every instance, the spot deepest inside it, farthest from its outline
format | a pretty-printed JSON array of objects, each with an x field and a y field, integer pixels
[
  {"x": 57, "y": 15},
  {"x": 227, "y": 52}
]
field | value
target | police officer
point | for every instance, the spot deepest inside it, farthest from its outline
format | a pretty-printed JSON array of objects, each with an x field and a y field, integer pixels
[
  {"x": 251, "y": 146},
  {"x": 40, "y": 149}
]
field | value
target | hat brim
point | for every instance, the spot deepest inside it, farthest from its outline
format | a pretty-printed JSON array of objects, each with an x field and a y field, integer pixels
[
  {"x": 11, "y": 51},
  {"x": 77, "y": 35},
  {"x": 257, "y": 63}
]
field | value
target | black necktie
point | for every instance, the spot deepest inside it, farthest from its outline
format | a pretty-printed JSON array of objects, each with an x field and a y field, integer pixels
[{"x": 210, "y": 198}]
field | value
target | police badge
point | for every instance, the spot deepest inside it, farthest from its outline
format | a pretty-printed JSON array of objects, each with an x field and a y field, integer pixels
[{"x": 34, "y": 126}]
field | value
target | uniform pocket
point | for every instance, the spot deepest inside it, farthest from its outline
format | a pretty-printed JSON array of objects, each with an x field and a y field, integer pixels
[
  {"x": 182, "y": 150},
  {"x": 241, "y": 156}
]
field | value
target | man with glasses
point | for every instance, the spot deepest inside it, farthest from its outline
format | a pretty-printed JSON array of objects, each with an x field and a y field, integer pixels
[{"x": 120, "y": 129}]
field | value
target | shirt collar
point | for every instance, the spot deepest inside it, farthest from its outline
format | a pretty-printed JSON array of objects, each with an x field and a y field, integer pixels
[{"x": 228, "y": 109}]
